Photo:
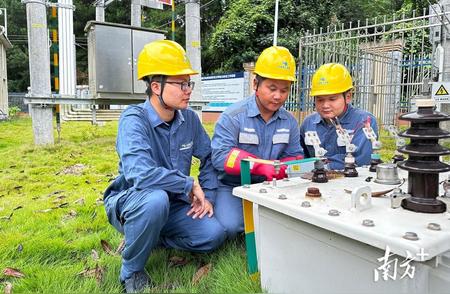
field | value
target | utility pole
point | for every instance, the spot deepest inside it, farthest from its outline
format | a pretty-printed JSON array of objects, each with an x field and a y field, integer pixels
[
  {"x": 67, "y": 58},
  {"x": 193, "y": 45},
  {"x": 275, "y": 27},
  {"x": 100, "y": 10},
  {"x": 445, "y": 75},
  {"x": 39, "y": 61},
  {"x": 136, "y": 13}
]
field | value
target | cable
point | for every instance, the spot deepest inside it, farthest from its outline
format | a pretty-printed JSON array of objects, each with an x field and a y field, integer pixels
[{"x": 181, "y": 16}]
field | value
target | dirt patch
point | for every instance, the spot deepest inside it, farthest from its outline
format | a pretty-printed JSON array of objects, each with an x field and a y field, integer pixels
[{"x": 76, "y": 169}]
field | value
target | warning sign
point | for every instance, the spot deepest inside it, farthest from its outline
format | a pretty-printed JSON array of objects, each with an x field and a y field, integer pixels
[{"x": 440, "y": 92}]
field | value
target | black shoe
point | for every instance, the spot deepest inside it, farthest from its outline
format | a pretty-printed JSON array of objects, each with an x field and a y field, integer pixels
[{"x": 137, "y": 282}]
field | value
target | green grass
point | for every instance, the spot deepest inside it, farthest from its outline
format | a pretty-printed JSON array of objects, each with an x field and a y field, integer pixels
[{"x": 51, "y": 245}]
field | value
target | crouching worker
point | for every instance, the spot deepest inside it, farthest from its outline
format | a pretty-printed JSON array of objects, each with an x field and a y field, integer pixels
[
  {"x": 257, "y": 127},
  {"x": 332, "y": 88},
  {"x": 154, "y": 200}
]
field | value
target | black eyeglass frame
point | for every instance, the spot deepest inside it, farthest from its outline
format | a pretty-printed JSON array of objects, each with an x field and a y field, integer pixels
[{"x": 183, "y": 85}]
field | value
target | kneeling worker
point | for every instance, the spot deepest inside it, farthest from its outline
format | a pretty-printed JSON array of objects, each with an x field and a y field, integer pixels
[
  {"x": 332, "y": 91},
  {"x": 154, "y": 200},
  {"x": 257, "y": 127}
]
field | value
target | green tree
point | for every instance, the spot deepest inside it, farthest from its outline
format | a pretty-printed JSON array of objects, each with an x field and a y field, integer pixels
[
  {"x": 17, "y": 56},
  {"x": 247, "y": 28}
]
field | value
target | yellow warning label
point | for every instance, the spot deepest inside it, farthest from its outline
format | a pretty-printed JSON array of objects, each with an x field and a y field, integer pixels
[
  {"x": 232, "y": 158},
  {"x": 441, "y": 91}
]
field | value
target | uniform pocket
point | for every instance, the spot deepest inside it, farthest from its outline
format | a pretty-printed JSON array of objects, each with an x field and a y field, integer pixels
[
  {"x": 281, "y": 138},
  {"x": 248, "y": 138}
]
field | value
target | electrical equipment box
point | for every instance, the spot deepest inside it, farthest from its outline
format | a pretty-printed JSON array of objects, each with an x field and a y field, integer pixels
[{"x": 113, "y": 50}]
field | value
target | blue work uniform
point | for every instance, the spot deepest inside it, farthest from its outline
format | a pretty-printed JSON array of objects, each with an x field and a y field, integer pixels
[
  {"x": 149, "y": 199},
  {"x": 242, "y": 126},
  {"x": 352, "y": 120}
]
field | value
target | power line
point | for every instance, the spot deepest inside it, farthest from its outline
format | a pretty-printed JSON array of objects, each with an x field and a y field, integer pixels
[{"x": 181, "y": 16}]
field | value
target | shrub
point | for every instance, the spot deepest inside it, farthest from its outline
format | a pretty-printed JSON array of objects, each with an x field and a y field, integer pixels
[{"x": 13, "y": 111}]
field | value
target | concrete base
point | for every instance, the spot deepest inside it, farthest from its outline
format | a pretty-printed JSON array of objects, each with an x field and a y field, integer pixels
[{"x": 42, "y": 121}]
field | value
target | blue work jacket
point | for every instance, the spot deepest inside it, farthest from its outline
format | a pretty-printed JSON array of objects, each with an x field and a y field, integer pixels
[
  {"x": 156, "y": 155},
  {"x": 242, "y": 126},
  {"x": 353, "y": 121}
]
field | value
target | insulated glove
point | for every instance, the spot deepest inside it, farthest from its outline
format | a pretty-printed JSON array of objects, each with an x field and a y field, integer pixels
[{"x": 232, "y": 164}]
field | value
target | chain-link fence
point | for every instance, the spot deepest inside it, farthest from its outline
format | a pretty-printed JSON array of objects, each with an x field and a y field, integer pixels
[{"x": 16, "y": 100}]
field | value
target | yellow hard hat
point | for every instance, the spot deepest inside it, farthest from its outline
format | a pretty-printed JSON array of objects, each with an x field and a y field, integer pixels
[
  {"x": 163, "y": 57},
  {"x": 331, "y": 78},
  {"x": 276, "y": 63}
]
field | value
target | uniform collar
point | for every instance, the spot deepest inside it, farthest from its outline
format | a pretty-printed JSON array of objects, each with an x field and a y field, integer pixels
[
  {"x": 343, "y": 117},
  {"x": 253, "y": 110},
  {"x": 154, "y": 118}
]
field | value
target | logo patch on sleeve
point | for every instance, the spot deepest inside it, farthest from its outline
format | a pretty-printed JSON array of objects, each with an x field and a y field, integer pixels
[{"x": 232, "y": 159}]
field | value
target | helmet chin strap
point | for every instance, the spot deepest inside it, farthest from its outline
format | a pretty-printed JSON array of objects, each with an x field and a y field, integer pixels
[
  {"x": 345, "y": 101},
  {"x": 345, "y": 108},
  {"x": 162, "y": 81}
]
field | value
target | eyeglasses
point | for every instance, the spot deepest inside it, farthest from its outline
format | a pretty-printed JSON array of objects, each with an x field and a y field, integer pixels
[{"x": 184, "y": 85}]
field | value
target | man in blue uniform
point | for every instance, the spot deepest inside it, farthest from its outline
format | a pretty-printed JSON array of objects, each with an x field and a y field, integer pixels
[
  {"x": 332, "y": 91},
  {"x": 154, "y": 200},
  {"x": 257, "y": 127}
]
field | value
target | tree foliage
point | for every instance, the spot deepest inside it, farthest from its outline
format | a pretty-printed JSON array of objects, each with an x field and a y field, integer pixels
[
  {"x": 247, "y": 26},
  {"x": 17, "y": 56}
]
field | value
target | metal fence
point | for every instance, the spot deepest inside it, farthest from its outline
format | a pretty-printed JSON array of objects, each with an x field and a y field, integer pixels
[
  {"x": 16, "y": 100},
  {"x": 388, "y": 60}
]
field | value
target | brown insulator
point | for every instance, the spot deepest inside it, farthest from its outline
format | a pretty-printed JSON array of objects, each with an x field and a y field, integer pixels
[
  {"x": 313, "y": 192},
  {"x": 423, "y": 152}
]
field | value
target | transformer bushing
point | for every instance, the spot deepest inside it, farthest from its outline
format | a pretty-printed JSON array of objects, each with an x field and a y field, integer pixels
[
  {"x": 375, "y": 159},
  {"x": 319, "y": 172},
  {"x": 423, "y": 152},
  {"x": 397, "y": 158},
  {"x": 350, "y": 166}
]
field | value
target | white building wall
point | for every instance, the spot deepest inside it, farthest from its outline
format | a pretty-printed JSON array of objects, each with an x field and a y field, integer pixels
[{"x": 3, "y": 83}]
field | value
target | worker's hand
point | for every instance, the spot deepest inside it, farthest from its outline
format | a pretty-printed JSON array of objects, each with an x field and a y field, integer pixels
[
  {"x": 266, "y": 170},
  {"x": 208, "y": 210},
  {"x": 197, "y": 201}
]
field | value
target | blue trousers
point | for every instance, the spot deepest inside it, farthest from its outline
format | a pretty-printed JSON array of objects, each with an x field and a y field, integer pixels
[
  {"x": 228, "y": 211},
  {"x": 147, "y": 217}
]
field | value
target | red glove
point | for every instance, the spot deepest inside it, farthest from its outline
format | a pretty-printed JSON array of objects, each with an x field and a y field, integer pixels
[
  {"x": 232, "y": 164},
  {"x": 268, "y": 170}
]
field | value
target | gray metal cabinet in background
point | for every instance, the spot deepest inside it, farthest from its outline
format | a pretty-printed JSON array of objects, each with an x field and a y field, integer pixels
[
  {"x": 113, "y": 50},
  {"x": 139, "y": 39}
]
